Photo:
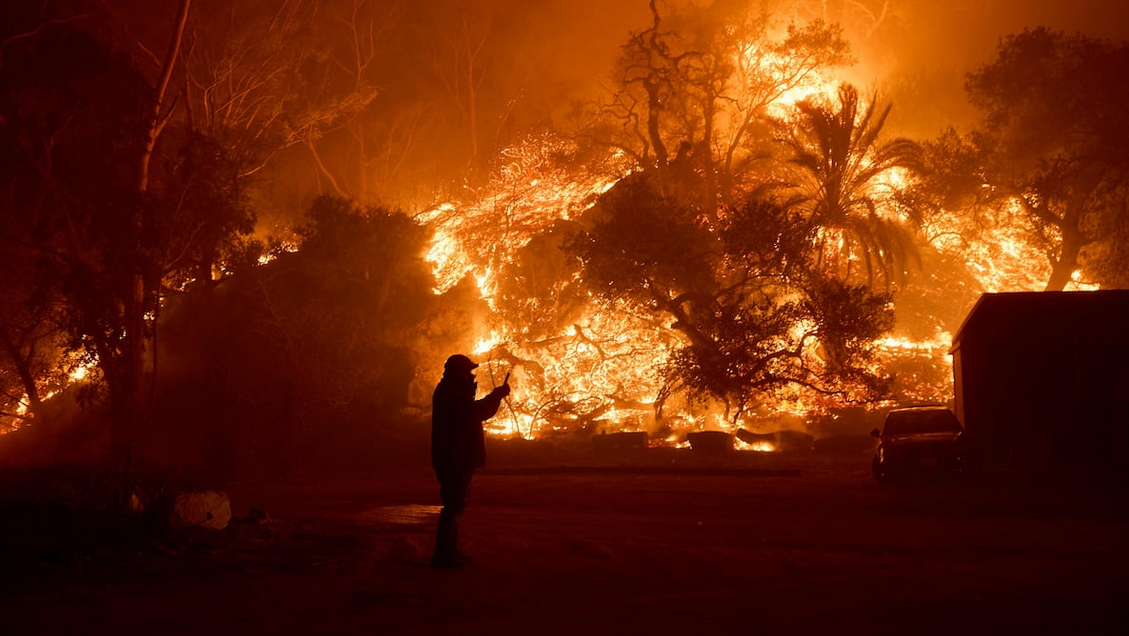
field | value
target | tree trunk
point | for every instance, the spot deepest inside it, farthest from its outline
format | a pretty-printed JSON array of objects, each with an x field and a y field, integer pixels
[
  {"x": 23, "y": 369},
  {"x": 707, "y": 161},
  {"x": 128, "y": 401},
  {"x": 159, "y": 119},
  {"x": 1062, "y": 270},
  {"x": 654, "y": 130},
  {"x": 1073, "y": 239}
]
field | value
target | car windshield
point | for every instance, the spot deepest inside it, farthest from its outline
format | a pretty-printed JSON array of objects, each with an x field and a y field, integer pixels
[{"x": 910, "y": 422}]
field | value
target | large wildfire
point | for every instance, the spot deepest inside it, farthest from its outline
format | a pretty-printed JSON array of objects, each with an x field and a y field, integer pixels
[
  {"x": 582, "y": 363},
  {"x": 599, "y": 369}
]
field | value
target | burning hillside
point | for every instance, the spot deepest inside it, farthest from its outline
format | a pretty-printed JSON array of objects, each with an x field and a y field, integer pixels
[
  {"x": 770, "y": 121},
  {"x": 726, "y": 235},
  {"x": 586, "y": 363}
]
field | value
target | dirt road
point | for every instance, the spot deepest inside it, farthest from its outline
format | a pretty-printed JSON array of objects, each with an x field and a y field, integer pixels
[{"x": 798, "y": 545}]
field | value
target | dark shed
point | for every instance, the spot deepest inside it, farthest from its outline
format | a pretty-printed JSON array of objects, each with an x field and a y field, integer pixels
[{"x": 1042, "y": 380}]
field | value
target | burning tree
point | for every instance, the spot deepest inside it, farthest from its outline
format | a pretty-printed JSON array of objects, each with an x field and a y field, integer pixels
[
  {"x": 844, "y": 182},
  {"x": 752, "y": 308},
  {"x": 31, "y": 342},
  {"x": 506, "y": 245},
  {"x": 695, "y": 89}
]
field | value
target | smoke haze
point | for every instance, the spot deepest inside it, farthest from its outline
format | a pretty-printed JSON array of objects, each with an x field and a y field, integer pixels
[
  {"x": 916, "y": 52},
  {"x": 921, "y": 55}
]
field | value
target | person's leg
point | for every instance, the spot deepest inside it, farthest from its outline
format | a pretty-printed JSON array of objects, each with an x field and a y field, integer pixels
[
  {"x": 454, "y": 488},
  {"x": 464, "y": 495}
]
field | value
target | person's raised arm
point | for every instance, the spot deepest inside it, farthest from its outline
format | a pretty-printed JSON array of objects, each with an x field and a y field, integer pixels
[{"x": 488, "y": 406}]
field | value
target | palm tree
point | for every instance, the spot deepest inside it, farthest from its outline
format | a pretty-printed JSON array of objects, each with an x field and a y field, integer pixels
[{"x": 838, "y": 166}]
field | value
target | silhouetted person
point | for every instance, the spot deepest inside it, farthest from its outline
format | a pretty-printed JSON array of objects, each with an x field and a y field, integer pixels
[{"x": 458, "y": 447}]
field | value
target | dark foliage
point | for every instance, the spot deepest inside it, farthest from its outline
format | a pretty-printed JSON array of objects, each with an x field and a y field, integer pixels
[
  {"x": 307, "y": 356},
  {"x": 204, "y": 214},
  {"x": 72, "y": 207},
  {"x": 657, "y": 248}
]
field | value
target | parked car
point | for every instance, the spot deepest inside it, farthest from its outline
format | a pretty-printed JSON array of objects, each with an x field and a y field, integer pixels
[{"x": 920, "y": 440}]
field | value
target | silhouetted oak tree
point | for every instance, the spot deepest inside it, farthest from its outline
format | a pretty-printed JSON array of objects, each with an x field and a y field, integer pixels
[{"x": 1054, "y": 131}]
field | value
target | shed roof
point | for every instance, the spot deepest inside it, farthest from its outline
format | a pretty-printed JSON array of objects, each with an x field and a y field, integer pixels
[{"x": 1015, "y": 317}]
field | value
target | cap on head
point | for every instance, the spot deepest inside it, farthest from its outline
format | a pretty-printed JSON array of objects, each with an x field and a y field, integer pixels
[{"x": 459, "y": 363}]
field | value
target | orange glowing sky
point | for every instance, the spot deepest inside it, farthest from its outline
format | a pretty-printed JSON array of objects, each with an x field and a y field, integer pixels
[{"x": 918, "y": 52}]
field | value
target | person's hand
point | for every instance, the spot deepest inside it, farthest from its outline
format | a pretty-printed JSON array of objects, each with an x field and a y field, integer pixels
[{"x": 503, "y": 390}]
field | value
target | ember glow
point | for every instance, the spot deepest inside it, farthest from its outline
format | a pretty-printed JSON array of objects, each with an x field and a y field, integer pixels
[
  {"x": 530, "y": 192},
  {"x": 760, "y": 447},
  {"x": 999, "y": 256},
  {"x": 795, "y": 90},
  {"x": 599, "y": 371},
  {"x": 79, "y": 369}
]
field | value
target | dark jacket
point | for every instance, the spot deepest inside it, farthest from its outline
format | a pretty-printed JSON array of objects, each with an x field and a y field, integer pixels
[{"x": 458, "y": 442}]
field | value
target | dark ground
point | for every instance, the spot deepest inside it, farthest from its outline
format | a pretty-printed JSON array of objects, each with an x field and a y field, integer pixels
[{"x": 658, "y": 542}]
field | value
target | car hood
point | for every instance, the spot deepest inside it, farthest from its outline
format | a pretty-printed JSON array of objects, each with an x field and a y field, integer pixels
[{"x": 923, "y": 438}]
